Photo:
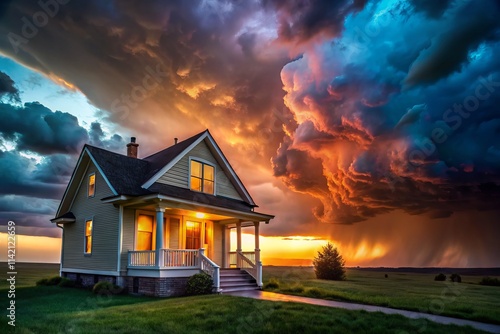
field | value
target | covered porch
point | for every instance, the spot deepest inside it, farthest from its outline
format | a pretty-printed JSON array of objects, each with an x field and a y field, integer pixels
[{"x": 193, "y": 238}]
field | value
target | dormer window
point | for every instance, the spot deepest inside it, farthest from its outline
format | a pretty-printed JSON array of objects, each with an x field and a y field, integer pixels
[
  {"x": 91, "y": 186},
  {"x": 202, "y": 177}
]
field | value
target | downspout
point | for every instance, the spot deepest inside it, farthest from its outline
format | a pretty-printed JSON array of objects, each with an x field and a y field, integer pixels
[{"x": 62, "y": 250}]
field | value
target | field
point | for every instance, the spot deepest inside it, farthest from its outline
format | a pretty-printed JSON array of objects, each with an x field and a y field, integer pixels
[
  {"x": 46, "y": 310},
  {"x": 416, "y": 291}
]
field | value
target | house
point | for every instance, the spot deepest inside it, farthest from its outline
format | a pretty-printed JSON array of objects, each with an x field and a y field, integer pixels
[{"x": 148, "y": 224}]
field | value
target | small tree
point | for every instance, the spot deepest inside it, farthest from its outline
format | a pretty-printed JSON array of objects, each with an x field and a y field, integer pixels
[{"x": 329, "y": 264}]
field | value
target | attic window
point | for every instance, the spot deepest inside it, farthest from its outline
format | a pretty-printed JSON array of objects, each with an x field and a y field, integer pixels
[
  {"x": 91, "y": 187},
  {"x": 202, "y": 177}
]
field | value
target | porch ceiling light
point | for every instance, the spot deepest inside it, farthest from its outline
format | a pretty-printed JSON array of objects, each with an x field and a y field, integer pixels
[{"x": 199, "y": 215}]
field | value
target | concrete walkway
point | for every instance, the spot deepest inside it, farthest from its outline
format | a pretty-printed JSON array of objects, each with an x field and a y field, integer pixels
[{"x": 265, "y": 295}]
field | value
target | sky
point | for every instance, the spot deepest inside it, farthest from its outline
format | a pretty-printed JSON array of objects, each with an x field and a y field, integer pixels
[{"x": 371, "y": 124}]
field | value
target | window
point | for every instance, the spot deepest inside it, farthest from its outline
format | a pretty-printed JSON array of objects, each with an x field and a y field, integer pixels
[
  {"x": 88, "y": 236},
  {"x": 144, "y": 232},
  {"x": 202, "y": 177},
  {"x": 193, "y": 235},
  {"x": 91, "y": 187}
]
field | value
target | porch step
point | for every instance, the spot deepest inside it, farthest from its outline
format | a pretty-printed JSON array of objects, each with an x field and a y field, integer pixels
[{"x": 235, "y": 279}]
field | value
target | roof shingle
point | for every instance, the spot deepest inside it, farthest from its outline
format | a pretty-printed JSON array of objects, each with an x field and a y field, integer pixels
[{"x": 127, "y": 175}]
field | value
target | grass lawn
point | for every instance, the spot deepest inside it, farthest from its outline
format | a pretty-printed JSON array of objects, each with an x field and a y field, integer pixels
[
  {"x": 49, "y": 309},
  {"x": 410, "y": 291}
]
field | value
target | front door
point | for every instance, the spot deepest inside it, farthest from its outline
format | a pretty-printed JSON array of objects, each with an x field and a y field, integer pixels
[{"x": 193, "y": 235}]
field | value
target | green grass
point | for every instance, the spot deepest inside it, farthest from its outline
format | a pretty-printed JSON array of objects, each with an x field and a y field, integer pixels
[
  {"x": 410, "y": 291},
  {"x": 52, "y": 309}
]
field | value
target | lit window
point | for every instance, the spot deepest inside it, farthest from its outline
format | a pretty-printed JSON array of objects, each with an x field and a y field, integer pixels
[
  {"x": 202, "y": 177},
  {"x": 144, "y": 232},
  {"x": 88, "y": 236},
  {"x": 193, "y": 235},
  {"x": 91, "y": 188}
]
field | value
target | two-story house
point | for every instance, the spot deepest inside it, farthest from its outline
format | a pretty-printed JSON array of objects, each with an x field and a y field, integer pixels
[{"x": 150, "y": 223}]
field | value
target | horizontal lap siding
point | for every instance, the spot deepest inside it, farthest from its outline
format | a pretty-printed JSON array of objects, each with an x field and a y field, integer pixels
[
  {"x": 128, "y": 235},
  {"x": 218, "y": 244},
  {"x": 104, "y": 228},
  {"x": 178, "y": 175}
]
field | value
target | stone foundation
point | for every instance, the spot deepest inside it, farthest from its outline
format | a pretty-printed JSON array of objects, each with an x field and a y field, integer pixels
[
  {"x": 157, "y": 287},
  {"x": 148, "y": 286},
  {"x": 88, "y": 280}
]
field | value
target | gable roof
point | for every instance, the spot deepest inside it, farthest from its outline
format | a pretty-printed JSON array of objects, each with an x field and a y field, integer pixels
[
  {"x": 136, "y": 177},
  {"x": 187, "y": 146}
]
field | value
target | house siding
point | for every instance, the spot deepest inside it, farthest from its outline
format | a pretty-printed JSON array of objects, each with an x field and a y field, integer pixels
[
  {"x": 173, "y": 233},
  {"x": 218, "y": 244},
  {"x": 104, "y": 228},
  {"x": 128, "y": 236},
  {"x": 178, "y": 175}
]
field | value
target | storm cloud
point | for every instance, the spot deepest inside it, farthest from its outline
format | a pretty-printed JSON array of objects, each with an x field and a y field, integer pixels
[
  {"x": 360, "y": 109},
  {"x": 385, "y": 146}
]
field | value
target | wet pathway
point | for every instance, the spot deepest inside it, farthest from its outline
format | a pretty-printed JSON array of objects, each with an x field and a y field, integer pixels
[{"x": 266, "y": 295}]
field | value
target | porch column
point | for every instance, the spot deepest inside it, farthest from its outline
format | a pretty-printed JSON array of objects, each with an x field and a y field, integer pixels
[
  {"x": 238, "y": 236},
  {"x": 257, "y": 244},
  {"x": 238, "y": 243},
  {"x": 159, "y": 236}
]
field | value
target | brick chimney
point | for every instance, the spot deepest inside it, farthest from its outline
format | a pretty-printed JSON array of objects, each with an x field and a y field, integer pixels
[{"x": 132, "y": 148}]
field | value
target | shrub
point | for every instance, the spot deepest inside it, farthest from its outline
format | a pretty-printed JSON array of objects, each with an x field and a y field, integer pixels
[
  {"x": 440, "y": 277},
  {"x": 105, "y": 287},
  {"x": 67, "y": 283},
  {"x": 199, "y": 284},
  {"x": 272, "y": 284},
  {"x": 55, "y": 280},
  {"x": 49, "y": 281},
  {"x": 314, "y": 292},
  {"x": 490, "y": 281},
  {"x": 42, "y": 281},
  {"x": 456, "y": 278},
  {"x": 329, "y": 264}
]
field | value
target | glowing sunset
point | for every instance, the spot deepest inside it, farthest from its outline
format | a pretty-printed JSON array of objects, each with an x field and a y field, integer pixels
[{"x": 370, "y": 124}]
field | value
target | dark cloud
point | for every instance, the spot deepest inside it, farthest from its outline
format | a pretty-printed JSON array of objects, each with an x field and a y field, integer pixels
[
  {"x": 470, "y": 26},
  {"x": 433, "y": 9},
  {"x": 23, "y": 176},
  {"x": 36, "y": 128},
  {"x": 7, "y": 88},
  {"x": 301, "y": 21}
]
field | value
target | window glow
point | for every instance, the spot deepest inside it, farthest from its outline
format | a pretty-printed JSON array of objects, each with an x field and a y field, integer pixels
[
  {"x": 91, "y": 188},
  {"x": 88, "y": 236},
  {"x": 144, "y": 232},
  {"x": 202, "y": 177}
]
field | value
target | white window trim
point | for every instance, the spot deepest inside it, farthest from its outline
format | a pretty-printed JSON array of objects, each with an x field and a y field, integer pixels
[
  {"x": 88, "y": 185},
  {"x": 85, "y": 236},
  {"x": 206, "y": 162}
]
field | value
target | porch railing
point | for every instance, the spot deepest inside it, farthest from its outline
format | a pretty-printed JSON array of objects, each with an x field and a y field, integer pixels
[
  {"x": 142, "y": 258},
  {"x": 252, "y": 267},
  {"x": 211, "y": 268},
  {"x": 179, "y": 258},
  {"x": 233, "y": 258},
  {"x": 176, "y": 259}
]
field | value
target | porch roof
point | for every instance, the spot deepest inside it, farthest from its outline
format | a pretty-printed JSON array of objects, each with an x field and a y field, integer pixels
[{"x": 215, "y": 206}]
